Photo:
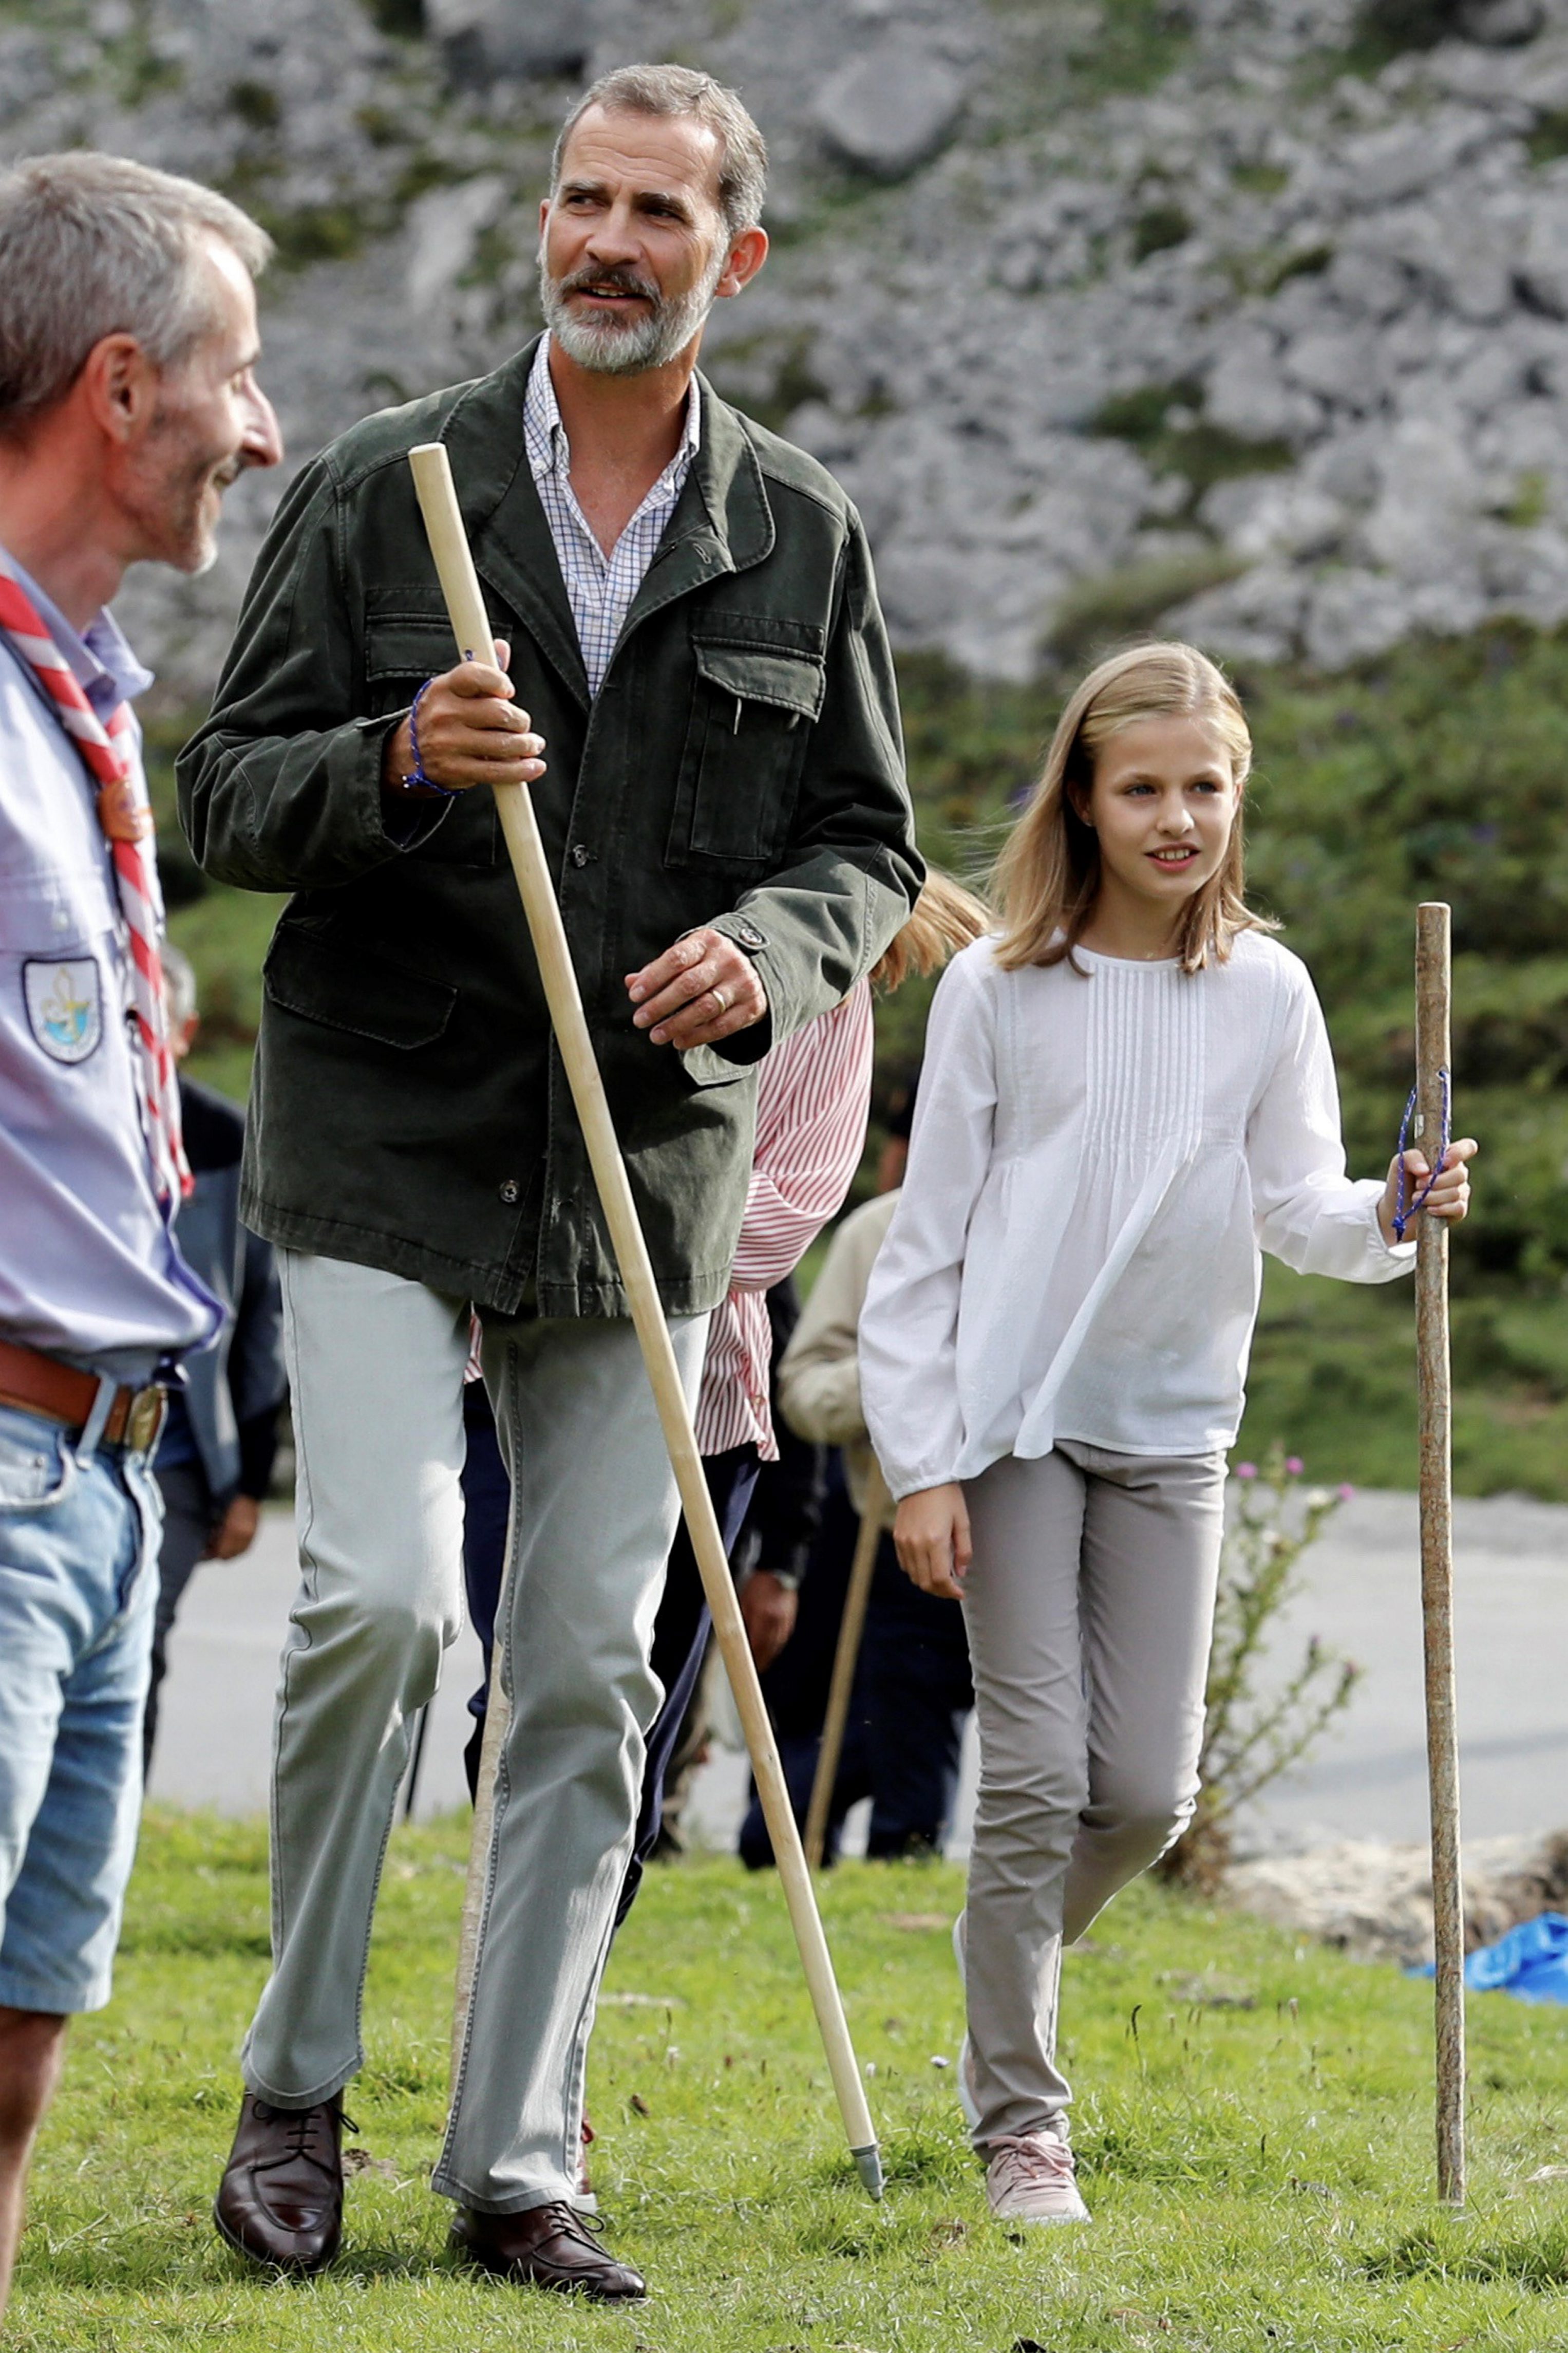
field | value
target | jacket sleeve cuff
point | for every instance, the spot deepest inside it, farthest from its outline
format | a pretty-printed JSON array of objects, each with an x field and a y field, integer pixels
[
  {"x": 710, "y": 1066},
  {"x": 405, "y": 820}
]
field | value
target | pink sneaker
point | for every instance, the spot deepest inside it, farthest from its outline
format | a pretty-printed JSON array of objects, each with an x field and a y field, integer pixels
[{"x": 1029, "y": 2178}]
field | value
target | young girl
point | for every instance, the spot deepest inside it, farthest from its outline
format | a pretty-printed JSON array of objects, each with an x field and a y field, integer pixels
[{"x": 1127, "y": 1091}]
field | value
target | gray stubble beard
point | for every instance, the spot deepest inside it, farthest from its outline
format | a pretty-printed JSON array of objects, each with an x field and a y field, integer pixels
[{"x": 651, "y": 342}]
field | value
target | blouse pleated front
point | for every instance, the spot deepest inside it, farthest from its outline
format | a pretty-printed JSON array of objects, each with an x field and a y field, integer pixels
[{"x": 1098, "y": 1157}]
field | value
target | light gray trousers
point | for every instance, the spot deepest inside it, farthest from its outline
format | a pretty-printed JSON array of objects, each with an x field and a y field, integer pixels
[
  {"x": 1089, "y": 1607},
  {"x": 375, "y": 1369}
]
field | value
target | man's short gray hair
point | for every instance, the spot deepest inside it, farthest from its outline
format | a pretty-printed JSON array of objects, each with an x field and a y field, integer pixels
[
  {"x": 95, "y": 245},
  {"x": 179, "y": 983},
  {"x": 676, "y": 91}
]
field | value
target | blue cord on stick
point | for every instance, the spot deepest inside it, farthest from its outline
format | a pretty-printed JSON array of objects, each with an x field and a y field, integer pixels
[{"x": 1403, "y": 1215}]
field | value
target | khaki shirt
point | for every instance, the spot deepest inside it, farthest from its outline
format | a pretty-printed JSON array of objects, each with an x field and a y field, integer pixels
[{"x": 819, "y": 1376}]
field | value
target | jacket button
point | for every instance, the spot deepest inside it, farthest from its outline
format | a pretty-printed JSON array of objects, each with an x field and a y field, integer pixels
[
  {"x": 580, "y": 854},
  {"x": 510, "y": 1191}
]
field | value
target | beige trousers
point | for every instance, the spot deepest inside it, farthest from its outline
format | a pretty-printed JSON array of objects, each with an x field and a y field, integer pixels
[
  {"x": 1089, "y": 1607},
  {"x": 375, "y": 1368}
]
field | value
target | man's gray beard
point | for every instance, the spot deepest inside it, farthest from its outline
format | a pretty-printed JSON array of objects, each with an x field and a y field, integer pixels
[{"x": 660, "y": 335}]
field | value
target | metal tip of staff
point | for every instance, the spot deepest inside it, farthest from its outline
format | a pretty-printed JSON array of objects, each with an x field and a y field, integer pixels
[{"x": 869, "y": 2164}]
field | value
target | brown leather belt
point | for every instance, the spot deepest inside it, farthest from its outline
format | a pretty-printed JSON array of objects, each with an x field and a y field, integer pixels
[{"x": 41, "y": 1384}]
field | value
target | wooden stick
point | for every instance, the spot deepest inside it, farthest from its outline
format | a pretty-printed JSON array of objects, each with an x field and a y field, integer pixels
[
  {"x": 465, "y": 605},
  {"x": 1435, "y": 1386},
  {"x": 846, "y": 1657}
]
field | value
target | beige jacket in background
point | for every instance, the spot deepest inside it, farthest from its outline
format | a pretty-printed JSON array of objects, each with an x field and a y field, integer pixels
[{"x": 818, "y": 1376}]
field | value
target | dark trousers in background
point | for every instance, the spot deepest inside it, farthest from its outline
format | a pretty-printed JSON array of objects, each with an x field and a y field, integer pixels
[
  {"x": 682, "y": 1629},
  {"x": 912, "y": 1691},
  {"x": 680, "y": 1638},
  {"x": 187, "y": 1524}
]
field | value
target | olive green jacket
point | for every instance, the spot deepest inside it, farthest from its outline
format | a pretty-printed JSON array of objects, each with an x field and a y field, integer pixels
[{"x": 741, "y": 766}]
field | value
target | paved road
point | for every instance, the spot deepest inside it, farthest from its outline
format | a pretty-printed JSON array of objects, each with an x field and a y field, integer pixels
[
  {"x": 215, "y": 1731},
  {"x": 1360, "y": 1595}
]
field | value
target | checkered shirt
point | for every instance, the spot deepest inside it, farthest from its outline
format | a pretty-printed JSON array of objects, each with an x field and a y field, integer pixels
[{"x": 599, "y": 587}]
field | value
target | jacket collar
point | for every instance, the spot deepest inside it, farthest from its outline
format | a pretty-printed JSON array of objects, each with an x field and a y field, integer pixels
[{"x": 721, "y": 521}]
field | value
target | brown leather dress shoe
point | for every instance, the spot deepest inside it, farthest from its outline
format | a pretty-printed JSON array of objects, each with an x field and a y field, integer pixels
[
  {"x": 547, "y": 2246},
  {"x": 280, "y": 2201}
]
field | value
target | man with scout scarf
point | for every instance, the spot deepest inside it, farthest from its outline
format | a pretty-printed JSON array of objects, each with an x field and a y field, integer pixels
[
  {"x": 128, "y": 403},
  {"x": 694, "y": 680}
]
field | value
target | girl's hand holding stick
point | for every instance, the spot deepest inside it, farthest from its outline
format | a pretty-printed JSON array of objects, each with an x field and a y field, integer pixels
[{"x": 1448, "y": 1197}]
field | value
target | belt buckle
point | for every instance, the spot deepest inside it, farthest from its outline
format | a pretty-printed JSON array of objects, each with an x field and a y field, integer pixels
[{"x": 144, "y": 1422}]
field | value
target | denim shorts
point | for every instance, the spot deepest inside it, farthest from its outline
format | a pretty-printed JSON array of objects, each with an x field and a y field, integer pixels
[{"x": 79, "y": 1585}]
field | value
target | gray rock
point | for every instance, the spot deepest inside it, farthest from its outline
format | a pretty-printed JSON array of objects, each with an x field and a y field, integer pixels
[
  {"x": 444, "y": 227},
  {"x": 483, "y": 38},
  {"x": 1544, "y": 261},
  {"x": 1368, "y": 284},
  {"x": 1338, "y": 364},
  {"x": 1375, "y": 1901},
  {"x": 1394, "y": 310},
  {"x": 1248, "y": 395},
  {"x": 1255, "y": 619},
  {"x": 1448, "y": 251},
  {"x": 892, "y": 109},
  {"x": 1430, "y": 497},
  {"x": 1503, "y": 24},
  {"x": 1353, "y": 614}
]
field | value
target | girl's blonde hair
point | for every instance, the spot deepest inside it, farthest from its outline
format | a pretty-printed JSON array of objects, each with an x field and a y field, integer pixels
[
  {"x": 1046, "y": 880},
  {"x": 946, "y": 918}
]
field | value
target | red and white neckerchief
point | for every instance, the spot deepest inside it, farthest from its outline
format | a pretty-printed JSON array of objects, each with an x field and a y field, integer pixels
[{"x": 127, "y": 821}]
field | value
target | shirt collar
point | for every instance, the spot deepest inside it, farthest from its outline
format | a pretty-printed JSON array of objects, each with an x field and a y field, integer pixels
[
  {"x": 99, "y": 656},
  {"x": 549, "y": 451}
]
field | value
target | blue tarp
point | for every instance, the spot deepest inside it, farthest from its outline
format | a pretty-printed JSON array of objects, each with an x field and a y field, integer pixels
[{"x": 1531, "y": 1962}]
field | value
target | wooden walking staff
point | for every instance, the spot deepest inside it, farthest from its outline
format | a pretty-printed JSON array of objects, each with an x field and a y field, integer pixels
[
  {"x": 1434, "y": 1383},
  {"x": 846, "y": 1657},
  {"x": 465, "y": 606}
]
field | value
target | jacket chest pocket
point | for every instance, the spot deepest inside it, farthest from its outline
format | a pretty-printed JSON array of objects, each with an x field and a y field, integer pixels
[
  {"x": 401, "y": 651},
  {"x": 751, "y": 717}
]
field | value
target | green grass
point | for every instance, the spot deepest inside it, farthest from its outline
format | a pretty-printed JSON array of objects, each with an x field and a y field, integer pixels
[{"x": 1253, "y": 2121}]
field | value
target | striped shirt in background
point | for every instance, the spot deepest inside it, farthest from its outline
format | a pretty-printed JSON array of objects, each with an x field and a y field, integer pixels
[
  {"x": 814, "y": 1093},
  {"x": 599, "y": 587}
]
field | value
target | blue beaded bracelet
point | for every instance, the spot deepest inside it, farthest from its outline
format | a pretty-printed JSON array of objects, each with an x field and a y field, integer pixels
[{"x": 416, "y": 777}]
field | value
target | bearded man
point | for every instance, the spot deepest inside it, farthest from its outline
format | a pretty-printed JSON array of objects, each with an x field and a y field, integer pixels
[{"x": 693, "y": 678}]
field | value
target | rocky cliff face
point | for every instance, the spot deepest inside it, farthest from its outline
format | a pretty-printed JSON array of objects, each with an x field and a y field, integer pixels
[{"x": 1251, "y": 315}]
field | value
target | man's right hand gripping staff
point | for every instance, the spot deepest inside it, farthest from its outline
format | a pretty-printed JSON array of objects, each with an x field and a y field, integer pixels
[{"x": 464, "y": 729}]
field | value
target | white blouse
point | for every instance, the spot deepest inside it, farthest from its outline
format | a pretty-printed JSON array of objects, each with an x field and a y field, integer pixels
[{"x": 1098, "y": 1158}]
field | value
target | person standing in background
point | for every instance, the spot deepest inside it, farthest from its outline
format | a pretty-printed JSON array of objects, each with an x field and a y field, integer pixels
[
  {"x": 914, "y": 1691},
  {"x": 215, "y": 1458},
  {"x": 127, "y": 405},
  {"x": 814, "y": 1094}
]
